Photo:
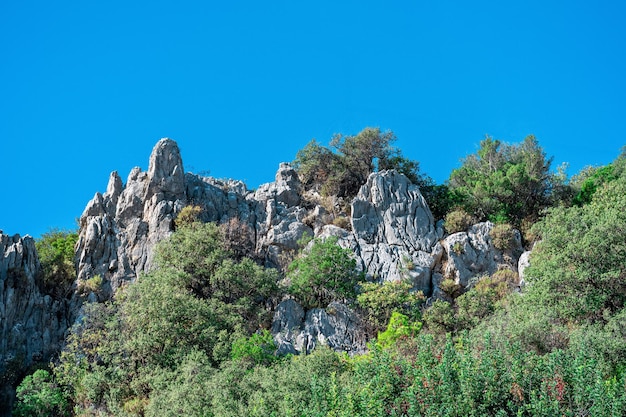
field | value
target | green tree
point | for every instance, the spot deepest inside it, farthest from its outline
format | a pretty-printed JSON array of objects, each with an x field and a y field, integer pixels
[
  {"x": 257, "y": 349},
  {"x": 591, "y": 178},
  {"x": 325, "y": 273},
  {"x": 504, "y": 183},
  {"x": 579, "y": 267},
  {"x": 40, "y": 395},
  {"x": 315, "y": 164},
  {"x": 341, "y": 169},
  {"x": 56, "y": 254},
  {"x": 379, "y": 301}
]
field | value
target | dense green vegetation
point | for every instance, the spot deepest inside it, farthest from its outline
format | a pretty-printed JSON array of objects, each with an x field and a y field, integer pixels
[
  {"x": 191, "y": 338},
  {"x": 56, "y": 254},
  {"x": 327, "y": 273},
  {"x": 505, "y": 183}
]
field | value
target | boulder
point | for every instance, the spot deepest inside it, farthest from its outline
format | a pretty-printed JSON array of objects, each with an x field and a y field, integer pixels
[
  {"x": 336, "y": 326},
  {"x": 472, "y": 254},
  {"x": 522, "y": 264}
]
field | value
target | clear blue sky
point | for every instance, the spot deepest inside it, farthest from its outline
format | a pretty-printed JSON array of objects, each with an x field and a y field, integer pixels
[{"x": 89, "y": 87}]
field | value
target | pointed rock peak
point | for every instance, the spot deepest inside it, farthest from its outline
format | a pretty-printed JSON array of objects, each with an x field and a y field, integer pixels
[
  {"x": 165, "y": 160},
  {"x": 165, "y": 173},
  {"x": 115, "y": 186},
  {"x": 287, "y": 174}
]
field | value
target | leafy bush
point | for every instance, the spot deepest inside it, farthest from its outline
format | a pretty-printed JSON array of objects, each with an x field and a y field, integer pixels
[
  {"x": 399, "y": 327},
  {"x": 256, "y": 349},
  {"x": 325, "y": 273},
  {"x": 458, "y": 220},
  {"x": 503, "y": 236},
  {"x": 188, "y": 215},
  {"x": 379, "y": 301},
  {"x": 458, "y": 248},
  {"x": 40, "y": 395},
  {"x": 56, "y": 254},
  {"x": 93, "y": 284},
  {"x": 439, "y": 318}
]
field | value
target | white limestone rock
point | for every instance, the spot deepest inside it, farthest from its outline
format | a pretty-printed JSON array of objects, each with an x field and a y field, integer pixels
[
  {"x": 472, "y": 254},
  {"x": 395, "y": 231},
  {"x": 336, "y": 326}
]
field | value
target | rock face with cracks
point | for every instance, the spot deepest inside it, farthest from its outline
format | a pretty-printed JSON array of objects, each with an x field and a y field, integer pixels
[
  {"x": 394, "y": 231},
  {"x": 336, "y": 326},
  {"x": 120, "y": 228},
  {"x": 32, "y": 323}
]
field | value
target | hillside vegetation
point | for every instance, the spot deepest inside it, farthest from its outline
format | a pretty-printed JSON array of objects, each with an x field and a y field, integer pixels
[{"x": 191, "y": 338}]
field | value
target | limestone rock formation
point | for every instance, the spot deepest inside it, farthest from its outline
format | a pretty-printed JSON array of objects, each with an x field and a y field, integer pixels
[
  {"x": 32, "y": 323},
  {"x": 336, "y": 326},
  {"x": 120, "y": 228},
  {"x": 395, "y": 233},
  {"x": 392, "y": 234},
  {"x": 279, "y": 218},
  {"x": 472, "y": 254},
  {"x": 522, "y": 264}
]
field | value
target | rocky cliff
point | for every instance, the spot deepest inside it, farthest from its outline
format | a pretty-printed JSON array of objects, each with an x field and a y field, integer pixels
[
  {"x": 32, "y": 322},
  {"x": 389, "y": 228}
]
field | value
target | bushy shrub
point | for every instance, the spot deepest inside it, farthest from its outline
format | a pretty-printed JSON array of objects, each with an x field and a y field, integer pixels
[
  {"x": 439, "y": 318},
  {"x": 325, "y": 273},
  {"x": 450, "y": 287},
  {"x": 238, "y": 238},
  {"x": 458, "y": 220},
  {"x": 379, "y": 301},
  {"x": 256, "y": 349},
  {"x": 40, "y": 395},
  {"x": 188, "y": 215},
  {"x": 458, "y": 248},
  {"x": 503, "y": 236},
  {"x": 399, "y": 327},
  {"x": 56, "y": 254},
  {"x": 93, "y": 284},
  {"x": 343, "y": 222}
]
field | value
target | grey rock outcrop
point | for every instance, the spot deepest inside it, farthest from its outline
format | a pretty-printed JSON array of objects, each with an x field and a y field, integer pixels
[
  {"x": 120, "y": 228},
  {"x": 336, "y": 326},
  {"x": 395, "y": 233},
  {"x": 32, "y": 323},
  {"x": 522, "y": 264},
  {"x": 472, "y": 254}
]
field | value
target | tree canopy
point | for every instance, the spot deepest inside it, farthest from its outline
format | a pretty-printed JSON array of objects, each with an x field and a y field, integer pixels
[
  {"x": 342, "y": 168},
  {"x": 506, "y": 183}
]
